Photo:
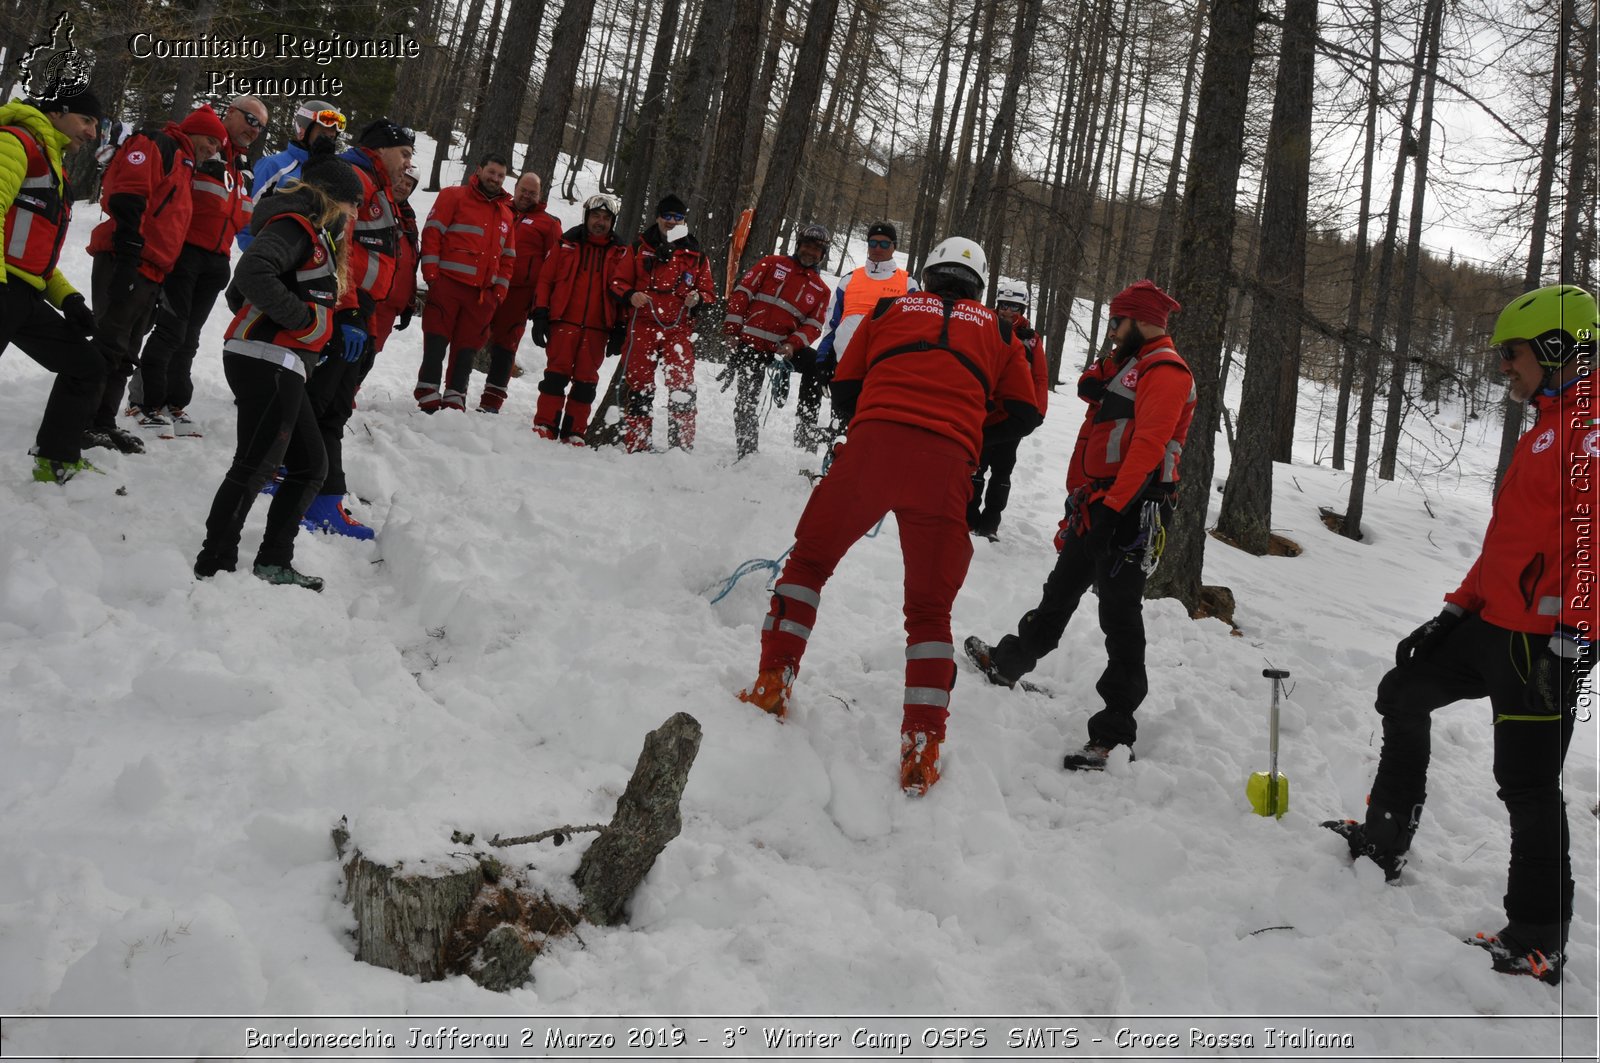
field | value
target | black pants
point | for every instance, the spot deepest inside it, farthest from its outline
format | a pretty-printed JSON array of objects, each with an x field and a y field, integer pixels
[
  {"x": 120, "y": 322},
  {"x": 807, "y": 406},
  {"x": 1119, "y": 582},
  {"x": 1480, "y": 660},
  {"x": 187, "y": 296},
  {"x": 332, "y": 394},
  {"x": 276, "y": 427},
  {"x": 996, "y": 462},
  {"x": 38, "y": 331}
]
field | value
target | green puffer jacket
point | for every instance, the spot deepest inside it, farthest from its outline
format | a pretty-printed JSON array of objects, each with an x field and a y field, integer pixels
[{"x": 13, "y": 167}]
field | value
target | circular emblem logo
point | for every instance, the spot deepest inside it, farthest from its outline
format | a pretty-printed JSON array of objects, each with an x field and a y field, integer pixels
[
  {"x": 1542, "y": 444},
  {"x": 135, "y": 158},
  {"x": 1591, "y": 444},
  {"x": 1130, "y": 378},
  {"x": 377, "y": 209},
  {"x": 318, "y": 255}
]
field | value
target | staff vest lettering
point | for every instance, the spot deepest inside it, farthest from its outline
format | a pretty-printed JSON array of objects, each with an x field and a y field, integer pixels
[
  {"x": 865, "y": 291},
  {"x": 36, "y": 223},
  {"x": 941, "y": 344}
]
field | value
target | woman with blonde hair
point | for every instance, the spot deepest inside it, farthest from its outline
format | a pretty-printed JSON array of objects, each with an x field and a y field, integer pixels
[{"x": 283, "y": 295}]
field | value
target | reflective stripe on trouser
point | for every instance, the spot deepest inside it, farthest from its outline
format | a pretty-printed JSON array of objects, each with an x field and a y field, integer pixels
[{"x": 923, "y": 478}]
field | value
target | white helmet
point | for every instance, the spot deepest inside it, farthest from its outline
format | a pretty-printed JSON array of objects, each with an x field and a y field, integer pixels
[
  {"x": 1014, "y": 296},
  {"x": 319, "y": 111},
  {"x": 602, "y": 201},
  {"x": 955, "y": 255}
]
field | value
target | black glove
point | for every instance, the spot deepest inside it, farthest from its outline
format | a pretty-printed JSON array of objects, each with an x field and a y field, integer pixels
[
  {"x": 539, "y": 325},
  {"x": 1103, "y": 521},
  {"x": 75, "y": 308},
  {"x": 1024, "y": 333},
  {"x": 403, "y": 320},
  {"x": 1556, "y": 674},
  {"x": 615, "y": 340},
  {"x": 1423, "y": 642},
  {"x": 804, "y": 360}
]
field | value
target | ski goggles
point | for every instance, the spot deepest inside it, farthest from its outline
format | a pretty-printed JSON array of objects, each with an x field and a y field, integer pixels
[
  {"x": 608, "y": 203},
  {"x": 880, "y": 244},
  {"x": 1015, "y": 308},
  {"x": 329, "y": 117}
]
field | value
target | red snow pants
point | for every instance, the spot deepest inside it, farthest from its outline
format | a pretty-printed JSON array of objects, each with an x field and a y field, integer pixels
[
  {"x": 924, "y": 479},
  {"x": 650, "y": 345}
]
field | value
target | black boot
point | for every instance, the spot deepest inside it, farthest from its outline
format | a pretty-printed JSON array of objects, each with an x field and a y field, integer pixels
[
  {"x": 1535, "y": 949},
  {"x": 285, "y": 575},
  {"x": 1384, "y": 838}
]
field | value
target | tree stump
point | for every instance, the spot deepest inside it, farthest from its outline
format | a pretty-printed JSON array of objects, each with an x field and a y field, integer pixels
[
  {"x": 470, "y": 914},
  {"x": 646, "y": 820}
]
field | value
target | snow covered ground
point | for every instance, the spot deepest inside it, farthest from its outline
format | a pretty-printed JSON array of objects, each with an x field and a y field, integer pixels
[{"x": 174, "y": 753}]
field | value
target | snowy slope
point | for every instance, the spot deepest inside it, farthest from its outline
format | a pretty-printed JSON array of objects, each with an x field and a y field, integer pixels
[{"x": 174, "y": 753}]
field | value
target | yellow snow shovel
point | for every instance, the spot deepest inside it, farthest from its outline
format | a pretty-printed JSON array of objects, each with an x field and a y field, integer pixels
[{"x": 1269, "y": 790}]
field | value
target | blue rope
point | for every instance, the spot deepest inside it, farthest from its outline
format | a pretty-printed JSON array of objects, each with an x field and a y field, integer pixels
[{"x": 775, "y": 566}]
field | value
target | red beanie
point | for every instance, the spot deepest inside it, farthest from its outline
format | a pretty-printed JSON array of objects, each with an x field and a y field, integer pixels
[
  {"x": 1143, "y": 301},
  {"x": 203, "y": 122}
]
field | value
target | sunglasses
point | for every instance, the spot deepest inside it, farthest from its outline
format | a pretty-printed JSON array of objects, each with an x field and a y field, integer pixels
[
  {"x": 1015, "y": 308},
  {"x": 880, "y": 244},
  {"x": 331, "y": 119},
  {"x": 249, "y": 119},
  {"x": 1508, "y": 352},
  {"x": 673, "y": 217},
  {"x": 1114, "y": 323}
]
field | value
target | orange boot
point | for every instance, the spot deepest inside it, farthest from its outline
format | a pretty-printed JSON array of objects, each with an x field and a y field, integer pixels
[
  {"x": 770, "y": 691},
  {"x": 919, "y": 762}
]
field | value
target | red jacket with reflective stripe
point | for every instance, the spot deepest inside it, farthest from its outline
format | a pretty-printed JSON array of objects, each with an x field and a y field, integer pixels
[
  {"x": 777, "y": 300},
  {"x": 220, "y": 204},
  {"x": 1138, "y": 418},
  {"x": 373, "y": 243},
  {"x": 583, "y": 281},
  {"x": 1038, "y": 367},
  {"x": 1537, "y": 566},
  {"x": 910, "y": 371},
  {"x": 404, "y": 288},
  {"x": 314, "y": 282},
  {"x": 468, "y": 237},
  {"x": 535, "y": 234},
  {"x": 147, "y": 192}
]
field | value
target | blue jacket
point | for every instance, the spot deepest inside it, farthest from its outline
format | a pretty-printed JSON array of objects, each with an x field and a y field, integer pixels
[{"x": 268, "y": 174}]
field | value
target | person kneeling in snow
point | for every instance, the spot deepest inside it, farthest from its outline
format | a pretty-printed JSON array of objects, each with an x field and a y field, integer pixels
[
  {"x": 913, "y": 387},
  {"x": 283, "y": 295},
  {"x": 1518, "y": 631}
]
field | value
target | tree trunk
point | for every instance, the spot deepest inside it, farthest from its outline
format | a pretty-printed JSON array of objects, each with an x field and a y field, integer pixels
[
  {"x": 920, "y": 239},
  {"x": 756, "y": 125},
  {"x": 1515, "y": 413},
  {"x": 501, "y": 112},
  {"x": 1404, "y": 319},
  {"x": 486, "y": 70},
  {"x": 448, "y": 109},
  {"x": 555, "y": 92},
  {"x": 984, "y": 199},
  {"x": 684, "y": 135},
  {"x": 789, "y": 144},
  {"x": 1578, "y": 228},
  {"x": 1351, "y": 527},
  {"x": 1201, "y": 277},
  {"x": 646, "y": 819},
  {"x": 1160, "y": 266},
  {"x": 1274, "y": 350},
  {"x": 642, "y": 150},
  {"x": 722, "y": 185},
  {"x": 969, "y": 123},
  {"x": 1353, "y": 352}
]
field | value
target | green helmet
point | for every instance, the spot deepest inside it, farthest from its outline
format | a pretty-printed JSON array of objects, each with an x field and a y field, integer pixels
[{"x": 1558, "y": 321}]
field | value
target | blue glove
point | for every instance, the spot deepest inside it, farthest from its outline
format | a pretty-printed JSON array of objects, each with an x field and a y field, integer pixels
[{"x": 355, "y": 342}]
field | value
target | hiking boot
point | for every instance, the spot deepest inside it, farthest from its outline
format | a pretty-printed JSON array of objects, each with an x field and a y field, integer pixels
[
  {"x": 327, "y": 514},
  {"x": 982, "y": 655},
  {"x": 1091, "y": 758},
  {"x": 770, "y": 692},
  {"x": 285, "y": 575},
  {"x": 919, "y": 762},
  {"x": 50, "y": 471},
  {"x": 1535, "y": 950},
  {"x": 182, "y": 423},
  {"x": 112, "y": 438},
  {"x": 544, "y": 431},
  {"x": 1361, "y": 844},
  {"x": 151, "y": 423}
]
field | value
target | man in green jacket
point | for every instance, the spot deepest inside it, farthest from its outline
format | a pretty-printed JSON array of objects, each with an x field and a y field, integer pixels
[{"x": 40, "y": 311}]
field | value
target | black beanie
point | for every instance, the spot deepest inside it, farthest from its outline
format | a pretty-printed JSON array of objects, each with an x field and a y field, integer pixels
[
  {"x": 331, "y": 174},
  {"x": 883, "y": 228},
  {"x": 386, "y": 134},
  {"x": 671, "y": 204},
  {"x": 85, "y": 102}
]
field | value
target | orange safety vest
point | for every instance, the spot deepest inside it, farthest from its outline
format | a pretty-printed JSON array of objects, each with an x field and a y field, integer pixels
[
  {"x": 36, "y": 223},
  {"x": 861, "y": 295}
]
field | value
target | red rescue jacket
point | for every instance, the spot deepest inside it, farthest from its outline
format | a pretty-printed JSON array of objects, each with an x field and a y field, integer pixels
[
  {"x": 535, "y": 233},
  {"x": 778, "y": 299},
  {"x": 221, "y": 204},
  {"x": 1038, "y": 366},
  {"x": 147, "y": 192},
  {"x": 314, "y": 282},
  {"x": 923, "y": 361},
  {"x": 1138, "y": 418},
  {"x": 37, "y": 218},
  {"x": 667, "y": 273},
  {"x": 1537, "y": 566},
  {"x": 583, "y": 281},
  {"x": 404, "y": 288},
  {"x": 468, "y": 237}
]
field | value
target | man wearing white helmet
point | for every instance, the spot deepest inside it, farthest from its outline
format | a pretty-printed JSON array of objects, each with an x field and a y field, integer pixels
[
  {"x": 983, "y": 514},
  {"x": 914, "y": 387},
  {"x": 313, "y": 120},
  {"x": 774, "y": 316}
]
